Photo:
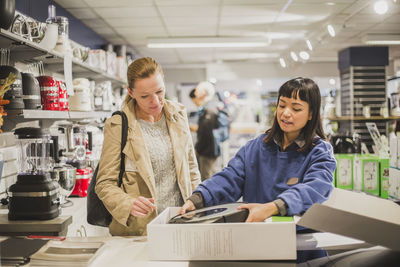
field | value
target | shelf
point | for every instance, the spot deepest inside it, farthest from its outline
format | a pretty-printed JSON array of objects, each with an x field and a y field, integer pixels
[
  {"x": 57, "y": 115},
  {"x": 27, "y": 51},
  {"x": 362, "y": 118}
]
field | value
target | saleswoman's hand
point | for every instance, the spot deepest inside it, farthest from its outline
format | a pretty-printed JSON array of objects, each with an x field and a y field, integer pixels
[
  {"x": 188, "y": 206},
  {"x": 143, "y": 206},
  {"x": 259, "y": 212}
]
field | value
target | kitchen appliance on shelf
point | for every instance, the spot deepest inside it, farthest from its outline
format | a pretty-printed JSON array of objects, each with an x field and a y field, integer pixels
[
  {"x": 63, "y": 44},
  {"x": 35, "y": 196},
  {"x": 63, "y": 96},
  {"x": 75, "y": 154},
  {"x": 7, "y": 12},
  {"x": 14, "y": 92},
  {"x": 49, "y": 92},
  {"x": 64, "y": 174},
  {"x": 83, "y": 176},
  {"x": 31, "y": 91}
]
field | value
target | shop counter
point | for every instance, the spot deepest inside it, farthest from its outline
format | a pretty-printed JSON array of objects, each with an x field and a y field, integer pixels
[{"x": 54, "y": 227}]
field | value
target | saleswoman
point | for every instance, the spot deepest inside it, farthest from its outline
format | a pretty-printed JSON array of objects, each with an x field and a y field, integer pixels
[{"x": 282, "y": 172}]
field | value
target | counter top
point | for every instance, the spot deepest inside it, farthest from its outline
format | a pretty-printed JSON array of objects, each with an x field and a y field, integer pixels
[{"x": 54, "y": 227}]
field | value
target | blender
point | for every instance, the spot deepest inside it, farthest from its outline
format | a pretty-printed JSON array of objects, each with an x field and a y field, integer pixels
[{"x": 35, "y": 196}]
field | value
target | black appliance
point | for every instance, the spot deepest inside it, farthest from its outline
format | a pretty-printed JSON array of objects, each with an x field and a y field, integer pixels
[
  {"x": 31, "y": 91},
  {"x": 35, "y": 196}
]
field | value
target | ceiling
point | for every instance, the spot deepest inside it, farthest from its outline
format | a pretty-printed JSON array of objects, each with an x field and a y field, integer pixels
[{"x": 287, "y": 23}]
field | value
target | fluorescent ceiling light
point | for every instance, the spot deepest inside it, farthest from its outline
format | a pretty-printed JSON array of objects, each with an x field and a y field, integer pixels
[
  {"x": 283, "y": 63},
  {"x": 381, "y": 39},
  {"x": 294, "y": 56},
  {"x": 198, "y": 42},
  {"x": 331, "y": 30},
  {"x": 309, "y": 45}
]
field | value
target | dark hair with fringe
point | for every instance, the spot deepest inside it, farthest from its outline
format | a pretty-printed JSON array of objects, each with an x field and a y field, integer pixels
[{"x": 308, "y": 91}]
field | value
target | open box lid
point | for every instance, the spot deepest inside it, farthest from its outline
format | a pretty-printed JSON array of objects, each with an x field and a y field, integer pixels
[{"x": 356, "y": 215}]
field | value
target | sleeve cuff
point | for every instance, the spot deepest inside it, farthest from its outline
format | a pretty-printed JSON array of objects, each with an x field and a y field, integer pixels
[
  {"x": 197, "y": 199},
  {"x": 282, "y": 206}
]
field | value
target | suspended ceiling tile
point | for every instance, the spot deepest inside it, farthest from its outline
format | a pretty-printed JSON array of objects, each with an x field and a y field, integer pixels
[
  {"x": 133, "y": 21},
  {"x": 118, "y": 3},
  {"x": 192, "y": 31},
  {"x": 82, "y": 13},
  {"x": 233, "y": 20},
  {"x": 71, "y": 3},
  {"x": 127, "y": 12},
  {"x": 148, "y": 31},
  {"x": 188, "y": 11},
  {"x": 95, "y": 23},
  {"x": 239, "y": 11},
  {"x": 186, "y": 3},
  {"x": 253, "y": 2},
  {"x": 192, "y": 21},
  {"x": 105, "y": 31}
]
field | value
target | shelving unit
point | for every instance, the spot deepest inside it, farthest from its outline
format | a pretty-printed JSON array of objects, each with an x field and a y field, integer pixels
[
  {"x": 55, "y": 115},
  {"x": 363, "y": 86},
  {"x": 23, "y": 50},
  {"x": 26, "y": 51}
]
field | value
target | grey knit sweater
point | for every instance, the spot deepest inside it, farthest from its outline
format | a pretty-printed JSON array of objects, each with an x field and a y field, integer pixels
[{"x": 158, "y": 144}]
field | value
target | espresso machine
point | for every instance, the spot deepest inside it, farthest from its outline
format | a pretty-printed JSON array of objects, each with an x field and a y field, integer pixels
[{"x": 35, "y": 196}]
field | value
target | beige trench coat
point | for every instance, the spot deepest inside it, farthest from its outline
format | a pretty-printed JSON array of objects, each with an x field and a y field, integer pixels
[{"x": 138, "y": 179}]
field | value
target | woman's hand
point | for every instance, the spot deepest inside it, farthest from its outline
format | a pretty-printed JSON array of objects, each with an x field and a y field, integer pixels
[
  {"x": 142, "y": 207},
  {"x": 188, "y": 206},
  {"x": 259, "y": 212}
]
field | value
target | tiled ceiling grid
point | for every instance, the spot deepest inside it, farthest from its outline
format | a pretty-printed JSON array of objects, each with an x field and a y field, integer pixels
[{"x": 287, "y": 22}]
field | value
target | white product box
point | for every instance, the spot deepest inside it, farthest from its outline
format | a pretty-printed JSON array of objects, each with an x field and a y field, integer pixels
[
  {"x": 357, "y": 215},
  {"x": 220, "y": 241},
  {"x": 393, "y": 151}
]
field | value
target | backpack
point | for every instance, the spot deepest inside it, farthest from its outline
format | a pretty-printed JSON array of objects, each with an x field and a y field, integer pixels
[
  {"x": 97, "y": 214},
  {"x": 221, "y": 134}
]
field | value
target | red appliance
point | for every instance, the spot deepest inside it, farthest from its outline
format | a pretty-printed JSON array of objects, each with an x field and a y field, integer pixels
[
  {"x": 82, "y": 181},
  {"x": 63, "y": 96},
  {"x": 49, "y": 92}
]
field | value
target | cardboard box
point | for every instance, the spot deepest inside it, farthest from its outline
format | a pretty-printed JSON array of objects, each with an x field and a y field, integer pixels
[
  {"x": 220, "y": 241},
  {"x": 357, "y": 215},
  {"x": 344, "y": 171},
  {"x": 384, "y": 178}
]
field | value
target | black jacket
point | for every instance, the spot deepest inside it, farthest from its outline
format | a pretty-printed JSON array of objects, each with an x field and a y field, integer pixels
[{"x": 208, "y": 121}]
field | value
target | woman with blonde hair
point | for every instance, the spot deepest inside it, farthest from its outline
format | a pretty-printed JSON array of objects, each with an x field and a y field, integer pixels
[{"x": 160, "y": 164}]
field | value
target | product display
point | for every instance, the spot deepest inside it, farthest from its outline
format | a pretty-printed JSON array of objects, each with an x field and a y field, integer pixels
[
  {"x": 226, "y": 213},
  {"x": 34, "y": 196},
  {"x": 31, "y": 91}
]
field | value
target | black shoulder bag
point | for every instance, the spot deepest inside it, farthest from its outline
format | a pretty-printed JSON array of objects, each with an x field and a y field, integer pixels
[{"x": 97, "y": 214}]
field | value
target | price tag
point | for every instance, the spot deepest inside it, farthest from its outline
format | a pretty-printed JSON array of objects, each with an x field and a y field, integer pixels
[{"x": 68, "y": 74}]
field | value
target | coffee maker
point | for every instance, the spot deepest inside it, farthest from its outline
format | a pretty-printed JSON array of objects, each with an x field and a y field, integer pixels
[{"x": 35, "y": 196}]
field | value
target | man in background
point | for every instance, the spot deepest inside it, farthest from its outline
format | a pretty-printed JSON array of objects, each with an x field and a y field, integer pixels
[{"x": 207, "y": 144}]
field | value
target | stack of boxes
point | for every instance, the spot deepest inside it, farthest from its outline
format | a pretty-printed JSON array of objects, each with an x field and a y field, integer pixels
[
  {"x": 394, "y": 168},
  {"x": 363, "y": 173}
]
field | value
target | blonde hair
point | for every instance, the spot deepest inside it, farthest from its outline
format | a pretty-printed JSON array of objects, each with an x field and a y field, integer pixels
[
  {"x": 207, "y": 88},
  {"x": 140, "y": 69}
]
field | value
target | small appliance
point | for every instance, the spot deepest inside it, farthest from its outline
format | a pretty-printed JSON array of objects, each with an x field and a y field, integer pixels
[
  {"x": 49, "y": 92},
  {"x": 35, "y": 196},
  {"x": 225, "y": 213},
  {"x": 31, "y": 91}
]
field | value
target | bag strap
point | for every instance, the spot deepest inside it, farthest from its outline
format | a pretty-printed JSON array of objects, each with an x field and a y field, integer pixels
[{"x": 124, "y": 136}]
